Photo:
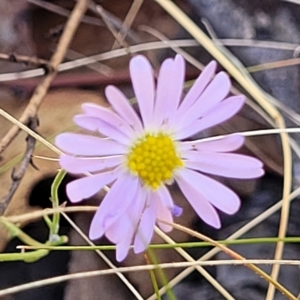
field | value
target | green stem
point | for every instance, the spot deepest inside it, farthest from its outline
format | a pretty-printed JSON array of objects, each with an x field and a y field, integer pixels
[
  {"x": 28, "y": 257},
  {"x": 153, "y": 278},
  {"x": 32, "y": 256},
  {"x": 15, "y": 231},
  {"x": 54, "y": 228},
  {"x": 264, "y": 240},
  {"x": 161, "y": 275}
]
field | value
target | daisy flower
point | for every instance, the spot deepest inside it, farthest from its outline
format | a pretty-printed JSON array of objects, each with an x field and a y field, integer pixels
[{"x": 139, "y": 155}]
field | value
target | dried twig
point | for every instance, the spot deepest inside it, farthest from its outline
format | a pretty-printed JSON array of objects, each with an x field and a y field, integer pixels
[
  {"x": 17, "y": 175},
  {"x": 110, "y": 21},
  {"x": 28, "y": 60},
  {"x": 42, "y": 89},
  {"x": 107, "y": 20},
  {"x": 70, "y": 65},
  {"x": 133, "y": 11}
]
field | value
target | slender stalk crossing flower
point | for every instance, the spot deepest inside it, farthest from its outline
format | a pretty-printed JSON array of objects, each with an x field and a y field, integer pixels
[{"x": 140, "y": 155}]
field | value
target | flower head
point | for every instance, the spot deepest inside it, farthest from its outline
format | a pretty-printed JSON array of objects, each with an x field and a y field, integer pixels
[{"x": 140, "y": 155}]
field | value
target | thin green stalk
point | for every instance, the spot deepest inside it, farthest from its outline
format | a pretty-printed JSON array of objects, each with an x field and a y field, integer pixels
[
  {"x": 15, "y": 231},
  {"x": 153, "y": 278},
  {"x": 28, "y": 257},
  {"x": 262, "y": 240},
  {"x": 55, "y": 203},
  {"x": 161, "y": 275},
  {"x": 32, "y": 256}
]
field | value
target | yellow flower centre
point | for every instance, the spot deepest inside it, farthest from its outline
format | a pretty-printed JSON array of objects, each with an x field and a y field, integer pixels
[{"x": 153, "y": 158}]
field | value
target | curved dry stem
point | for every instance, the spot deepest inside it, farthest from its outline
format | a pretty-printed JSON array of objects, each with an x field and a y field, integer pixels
[{"x": 239, "y": 73}]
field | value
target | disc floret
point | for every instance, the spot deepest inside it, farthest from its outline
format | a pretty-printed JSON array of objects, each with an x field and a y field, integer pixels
[{"x": 154, "y": 158}]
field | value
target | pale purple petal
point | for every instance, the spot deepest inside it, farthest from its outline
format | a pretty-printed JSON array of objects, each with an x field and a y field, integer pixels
[
  {"x": 200, "y": 204},
  {"x": 216, "y": 91},
  {"x": 122, "y": 249},
  {"x": 168, "y": 97},
  {"x": 123, "y": 229},
  {"x": 163, "y": 213},
  {"x": 87, "y": 187},
  {"x": 78, "y": 165},
  {"x": 93, "y": 123},
  {"x": 114, "y": 204},
  {"x": 121, "y": 233},
  {"x": 225, "y": 144},
  {"x": 109, "y": 117},
  {"x": 224, "y": 111},
  {"x": 82, "y": 144},
  {"x": 224, "y": 159},
  {"x": 143, "y": 84},
  {"x": 89, "y": 123},
  {"x": 145, "y": 230},
  {"x": 213, "y": 191},
  {"x": 121, "y": 105},
  {"x": 198, "y": 87},
  {"x": 165, "y": 197},
  {"x": 224, "y": 164},
  {"x": 161, "y": 101}
]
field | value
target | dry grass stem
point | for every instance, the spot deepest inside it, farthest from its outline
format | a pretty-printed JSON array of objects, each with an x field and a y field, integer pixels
[{"x": 89, "y": 274}]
